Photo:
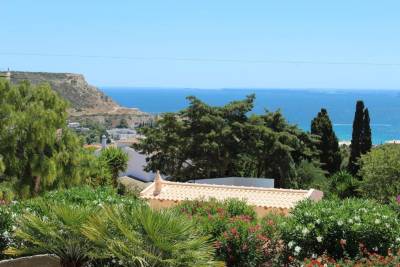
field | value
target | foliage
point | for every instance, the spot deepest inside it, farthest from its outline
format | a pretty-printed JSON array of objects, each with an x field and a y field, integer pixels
[
  {"x": 361, "y": 141},
  {"x": 7, "y": 192},
  {"x": 5, "y": 229},
  {"x": 328, "y": 144},
  {"x": 57, "y": 232},
  {"x": 203, "y": 141},
  {"x": 123, "y": 124},
  {"x": 74, "y": 198},
  {"x": 2, "y": 166},
  {"x": 36, "y": 146},
  {"x": 139, "y": 236},
  {"x": 368, "y": 259},
  {"x": 338, "y": 228},
  {"x": 96, "y": 171},
  {"x": 96, "y": 131},
  {"x": 380, "y": 170},
  {"x": 309, "y": 175},
  {"x": 343, "y": 185},
  {"x": 240, "y": 239},
  {"x": 116, "y": 160}
]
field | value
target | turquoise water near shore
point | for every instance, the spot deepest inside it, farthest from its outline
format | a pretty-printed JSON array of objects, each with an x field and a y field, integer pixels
[{"x": 298, "y": 105}]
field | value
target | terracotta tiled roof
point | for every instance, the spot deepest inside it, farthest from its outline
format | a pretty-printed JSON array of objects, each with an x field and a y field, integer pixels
[{"x": 255, "y": 196}]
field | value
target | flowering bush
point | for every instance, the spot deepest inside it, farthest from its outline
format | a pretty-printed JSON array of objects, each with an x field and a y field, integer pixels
[
  {"x": 240, "y": 239},
  {"x": 369, "y": 259},
  {"x": 339, "y": 228}
]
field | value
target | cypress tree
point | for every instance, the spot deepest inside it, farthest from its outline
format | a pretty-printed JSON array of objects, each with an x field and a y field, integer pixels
[
  {"x": 361, "y": 141},
  {"x": 328, "y": 146},
  {"x": 366, "y": 142}
]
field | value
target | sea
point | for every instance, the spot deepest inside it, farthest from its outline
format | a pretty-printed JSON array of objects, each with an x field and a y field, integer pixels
[{"x": 299, "y": 106}]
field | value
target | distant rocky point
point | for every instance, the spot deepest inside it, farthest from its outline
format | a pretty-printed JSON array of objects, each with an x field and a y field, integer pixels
[{"x": 86, "y": 101}]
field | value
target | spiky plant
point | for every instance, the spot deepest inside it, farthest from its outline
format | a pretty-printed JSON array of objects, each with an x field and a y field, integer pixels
[
  {"x": 140, "y": 236},
  {"x": 58, "y": 232}
]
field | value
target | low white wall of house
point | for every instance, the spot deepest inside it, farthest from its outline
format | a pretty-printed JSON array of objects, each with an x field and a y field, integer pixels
[{"x": 136, "y": 165}]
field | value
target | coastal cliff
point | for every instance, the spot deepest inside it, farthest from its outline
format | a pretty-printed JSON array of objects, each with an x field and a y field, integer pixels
[{"x": 86, "y": 101}]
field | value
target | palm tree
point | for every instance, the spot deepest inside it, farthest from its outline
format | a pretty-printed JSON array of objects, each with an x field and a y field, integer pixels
[
  {"x": 58, "y": 233},
  {"x": 116, "y": 160},
  {"x": 139, "y": 236}
]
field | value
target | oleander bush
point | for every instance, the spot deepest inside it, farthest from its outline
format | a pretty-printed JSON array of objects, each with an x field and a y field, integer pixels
[
  {"x": 239, "y": 237},
  {"x": 339, "y": 228}
]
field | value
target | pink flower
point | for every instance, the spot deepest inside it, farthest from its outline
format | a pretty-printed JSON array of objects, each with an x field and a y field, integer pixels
[{"x": 398, "y": 199}]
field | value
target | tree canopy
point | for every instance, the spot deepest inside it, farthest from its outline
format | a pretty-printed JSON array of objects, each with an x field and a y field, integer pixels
[
  {"x": 38, "y": 149},
  {"x": 328, "y": 144},
  {"x": 361, "y": 141},
  {"x": 380, "y": 169},
  {"x": 204, "y": 141}
]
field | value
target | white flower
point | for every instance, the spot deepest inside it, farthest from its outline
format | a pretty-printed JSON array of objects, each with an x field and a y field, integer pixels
[
  {"x": 377, "y": 221},
  {"x": 14, "y": 228},
  {"x": 398, "y": 239},
  {"x": 318, "y": 221},
  {"x": 375, "y": 249},
  {"x": 290, "y": 244},
  {"x": 350, "y": 220},
  {"x": 314, "y": 256},
  {"x": 340, "y": 223},
  {"x": 305, "y": 231},
  {"x": 121, "y": 262},
  {"x": 357, "y": 218},
  {"x": 387, "y": 225},
  {"x": 319, "y": 239},
  {"x": 297, "y": 249}
]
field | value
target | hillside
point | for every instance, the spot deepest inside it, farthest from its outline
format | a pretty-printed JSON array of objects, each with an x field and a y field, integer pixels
[
  {"x": 72, "y": 87},
  {"x": 86, "y": 101}
]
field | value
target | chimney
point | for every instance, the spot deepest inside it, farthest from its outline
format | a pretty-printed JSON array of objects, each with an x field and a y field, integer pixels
[
  {"x": 157, "y": 184},
  {"x": 103, "y": 142}
]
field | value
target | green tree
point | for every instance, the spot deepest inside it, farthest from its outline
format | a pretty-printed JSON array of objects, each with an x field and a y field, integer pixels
[
  {"x": 344, "y": 185},
  {"x": 123, "y": 123},
  {"x": 116, "y": 160},
  {"x": 361, "y": 141},
  {"x": 380, "y": 169},
  {"x": 366, "y": 142},
  {"x": 2, "y": 166},
  {"x": 309, "y": 175},
  {"x": 203, "y": 141},
  {"x": 58, "y": 233},
  {"x": 328, "y": 145},
  {"x": 38, "y": 149}
]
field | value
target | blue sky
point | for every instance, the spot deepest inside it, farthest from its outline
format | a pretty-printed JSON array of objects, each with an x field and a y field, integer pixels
[{"x": 207, "y": 43}]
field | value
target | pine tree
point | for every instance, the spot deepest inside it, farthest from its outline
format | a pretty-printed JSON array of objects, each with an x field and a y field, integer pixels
[
  {"x": 366, "y": 142},
  {"x": 328, "y": 146},
  {"x": 361, "y": 141}
]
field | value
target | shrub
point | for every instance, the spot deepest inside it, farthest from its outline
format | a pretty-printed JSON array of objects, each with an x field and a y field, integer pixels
[
  {"x": 213, "y": 216},
  {"x": 140, "y": 236},
  {"x": 58, "y": 232},
  {"x": 369, "y": 259},
  {"x": 380, "y": 170},
  {"x": 338, "y": 228},
  {"x": 343, "y": 185},
  {"x": 240, "y": 239},
  {"x": 5, "y": 229},
  {"x": 70, "y": 198}
]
